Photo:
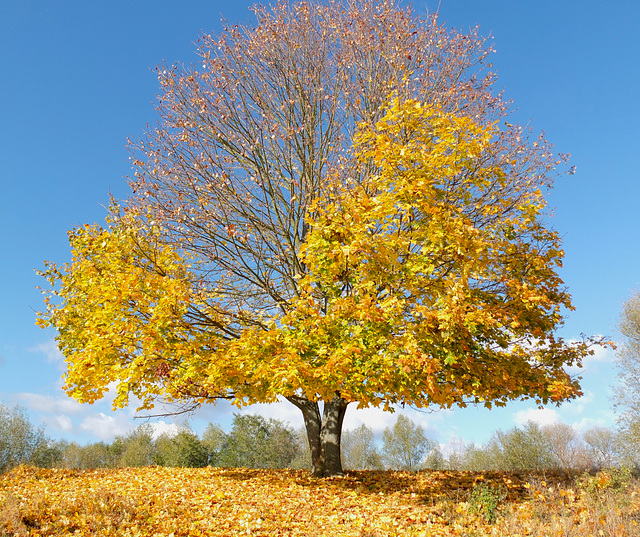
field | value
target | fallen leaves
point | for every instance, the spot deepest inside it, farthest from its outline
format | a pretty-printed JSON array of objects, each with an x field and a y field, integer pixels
[
  {"x": 148, "y": 501},
  {"x": 225, "y": 502}
]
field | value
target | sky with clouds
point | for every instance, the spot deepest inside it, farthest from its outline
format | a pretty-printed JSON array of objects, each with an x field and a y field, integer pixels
[{"x": 77, "y": 79}]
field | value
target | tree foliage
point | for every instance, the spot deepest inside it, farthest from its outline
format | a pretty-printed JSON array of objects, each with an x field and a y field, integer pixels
[
  {"x": 20, "y": 441},
  {"x": 405, "y": 446},
  {"x": 359, "y": 450},
  {"x": 213, "y": 439},
  {"x": 566, "y": 445},
  {"x": 523, "y": 449},
  {"x": 329, "y": 211},
  {"x": 424, "y": 273},
  {"x": 603, "y": 446},
  {"x": 255, "y": 442},
  {"x": 531, "y": 447},
  {"x": 93, "y": 455},
  {"x": 183, "y": 449},
  {"x": 137, "y": 448}
]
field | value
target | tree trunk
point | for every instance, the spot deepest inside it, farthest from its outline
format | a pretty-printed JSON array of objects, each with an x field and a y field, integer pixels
[{"x": 323, "y": 433}]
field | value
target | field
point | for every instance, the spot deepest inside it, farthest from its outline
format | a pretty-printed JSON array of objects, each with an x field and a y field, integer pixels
[{"x": 225, "y": 502}]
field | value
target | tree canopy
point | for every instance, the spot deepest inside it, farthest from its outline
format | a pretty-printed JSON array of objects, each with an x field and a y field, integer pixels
[{"x": 331, "y": 211}]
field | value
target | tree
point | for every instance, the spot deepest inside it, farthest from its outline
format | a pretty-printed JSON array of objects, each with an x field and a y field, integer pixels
[
  {"x": 255, "y": 442},
  {"x": 95, "y": 455},
  {"x": 48, "y": 454},
  {"x": 20, "y": 441},
  {"x": 521, "y": 449},
  {"x": 478, "y": 458},
  {"x": 627, "y": 394},
  {"x": 455, "y": 449},
  {"x": 629, "y": 436},
  {"x": 183, "y": 449},
  {"x": 405, "y": 445},
  {"x": 137, "y": 448},
  {"x": 603, "y": 447},
  {"x": 213, "y": 442},
  {"x": 327, "y": 212},
  {"x": 566, "y": 445},
  {"x": 302, "y": 460},
  {"x": 435, "y": 459},
  {"x": 359, "y": 451}
]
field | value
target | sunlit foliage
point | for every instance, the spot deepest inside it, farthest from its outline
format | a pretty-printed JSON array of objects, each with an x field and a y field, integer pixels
[{"x": 332, "y": 210}]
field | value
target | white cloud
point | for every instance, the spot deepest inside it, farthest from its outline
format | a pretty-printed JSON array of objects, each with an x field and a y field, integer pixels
[
  {"x": 374, "y": 418},
  {"x": 66, "y": 417},
  {"x": 48, "y": 404},
  {"x": 587, "y": 423},
  {"x": 105, "y": 427},
  {"x": 541, "y": 416},
  {"x": 162, "y": 427},
  {"x": 602, "y": 354},
  {"x": 59, "y": 422},
  {"x": 282, "y": 410}
]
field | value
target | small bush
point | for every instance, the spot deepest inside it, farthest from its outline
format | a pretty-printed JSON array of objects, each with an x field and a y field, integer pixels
[
  {"x": 610, "y": 479},
  {"x": 485, "y": 500}
]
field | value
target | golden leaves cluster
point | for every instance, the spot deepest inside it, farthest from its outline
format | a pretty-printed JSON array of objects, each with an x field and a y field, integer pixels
[
  {"x": 433, "y": 280},
  {"x": 119, "y": 308}
]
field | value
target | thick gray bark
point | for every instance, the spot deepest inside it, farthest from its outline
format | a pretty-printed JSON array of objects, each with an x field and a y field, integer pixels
[
  {"x": 323, "y": 433},
  {"x": 313, "y": 424},
  {"x": 331, "y": 434}
]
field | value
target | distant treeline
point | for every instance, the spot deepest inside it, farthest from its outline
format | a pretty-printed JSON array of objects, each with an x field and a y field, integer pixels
[{"x": 257, "y": 442}]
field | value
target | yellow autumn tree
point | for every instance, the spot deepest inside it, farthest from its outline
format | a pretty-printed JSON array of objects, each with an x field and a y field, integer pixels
[
  {"x": 295, "y": 232},
  {"x": 432, "y": 282}
]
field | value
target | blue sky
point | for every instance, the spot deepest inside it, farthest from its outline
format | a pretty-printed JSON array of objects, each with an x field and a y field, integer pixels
[{"x": 77, "y": 80}]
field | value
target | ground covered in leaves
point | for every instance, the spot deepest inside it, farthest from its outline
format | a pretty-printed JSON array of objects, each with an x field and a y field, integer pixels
[{"x": 225, "y": 502}]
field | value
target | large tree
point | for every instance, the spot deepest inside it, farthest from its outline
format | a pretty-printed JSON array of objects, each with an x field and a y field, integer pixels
[{"x": 331, "y": 210}]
